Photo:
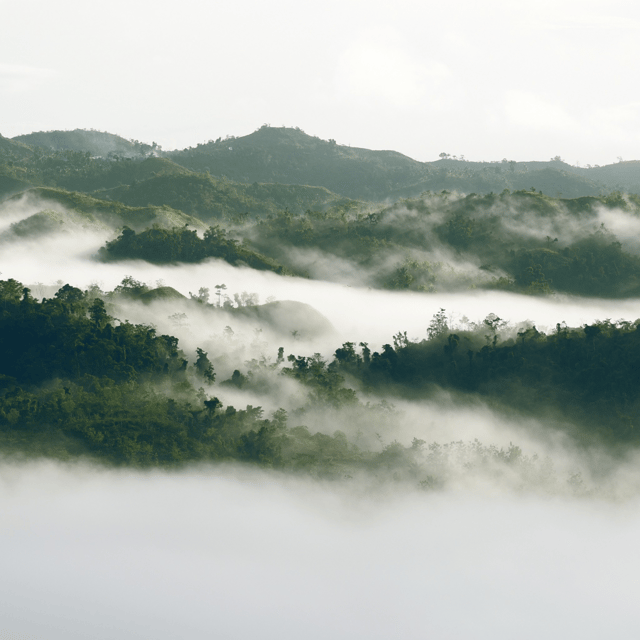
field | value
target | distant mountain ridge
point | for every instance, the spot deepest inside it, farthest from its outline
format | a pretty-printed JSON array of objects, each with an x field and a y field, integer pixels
[{"x": 287, "y": 156}]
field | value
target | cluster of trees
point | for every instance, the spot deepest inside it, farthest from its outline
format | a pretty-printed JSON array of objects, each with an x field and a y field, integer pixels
[
  {"x": 595, "y": 265},
  {"x": 74, "y": 380},
  {"x": 162, "y": 246},
  {"x": 210, "y": 198},
  {"x": 72, "y": 335},
  {"x": 588, "y": 377},
  {"x": 67, "y": 169}
]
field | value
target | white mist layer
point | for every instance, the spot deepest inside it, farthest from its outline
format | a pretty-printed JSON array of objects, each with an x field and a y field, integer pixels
[
  {"x": 215, "y": 553},
  {"x": 357, "y": 314}
]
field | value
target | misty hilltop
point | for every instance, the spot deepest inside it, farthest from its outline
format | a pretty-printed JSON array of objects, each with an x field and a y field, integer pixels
[
  {"x": 96, "y": 143},
  {"x": 290, "y": 156},
  {"x": 54, "y": 210}
]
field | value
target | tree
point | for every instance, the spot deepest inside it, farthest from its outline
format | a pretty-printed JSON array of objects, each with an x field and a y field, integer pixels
[
  {"x": 438, "y": 325},
  {"x": 98, "y": 314},
  {"x": 204, "y": 367},
  {"x": 202, "y": 297},
  {"x": 494, "y": 322},
  {"x": 10, "y": 291},
  {"x": 346, "y": 353},
  {"x": 219, "y": 289}
]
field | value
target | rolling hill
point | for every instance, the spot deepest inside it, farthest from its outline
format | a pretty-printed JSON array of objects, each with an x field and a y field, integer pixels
[{"x": 97, "y": 143}]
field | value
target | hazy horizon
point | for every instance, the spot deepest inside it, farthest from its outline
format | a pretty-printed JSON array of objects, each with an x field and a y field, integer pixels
[{"x": 491, "y": 81}]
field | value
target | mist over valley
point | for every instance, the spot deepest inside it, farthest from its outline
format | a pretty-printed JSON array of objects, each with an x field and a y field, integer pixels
[{"x": 275, "y": 385}]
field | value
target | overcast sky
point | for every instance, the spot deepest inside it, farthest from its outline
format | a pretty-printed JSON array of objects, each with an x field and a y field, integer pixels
[{"x": 487, "y": 80}]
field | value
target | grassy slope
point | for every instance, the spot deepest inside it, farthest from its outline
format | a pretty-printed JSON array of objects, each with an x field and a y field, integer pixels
[{"x": 103, "y": 212}]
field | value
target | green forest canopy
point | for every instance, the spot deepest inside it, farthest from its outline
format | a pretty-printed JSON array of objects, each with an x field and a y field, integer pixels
[{"x": 77, "y": 381}]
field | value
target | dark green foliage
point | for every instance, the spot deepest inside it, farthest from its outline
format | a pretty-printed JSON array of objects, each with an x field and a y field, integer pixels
[
  {"x": 204, "y": 367},
  {"x": 414, "y": 275},
  {"x": 210, "y": 199},
  {"x": 289, "y": 156},
  {"x": 163, "y": 246},
  {"x": 237, "y": 379},
  {"x": 86, "y": 210},
  {"x": 71, "y": 335},
  {"x": 283, "y": 157},
  {"x": 594, "y": 266},
  {"x": 498, "y": 232},
  {"x": 590, "y": 376},
  {"x": 324, "y": 381},
  {"x": 460, "y": 232},
  {"x": 76, "y": 382},
  {"x": 96, "y": 143},
  {"x": 73, "y": 380}
]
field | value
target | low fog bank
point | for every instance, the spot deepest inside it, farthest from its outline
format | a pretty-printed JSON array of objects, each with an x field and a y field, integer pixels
[
  {"x": 455, "y": 441},
  {"x": 358, "y": 314},
  {"x": 88, "y": 553},
  {"x": 365, "y": 315}
]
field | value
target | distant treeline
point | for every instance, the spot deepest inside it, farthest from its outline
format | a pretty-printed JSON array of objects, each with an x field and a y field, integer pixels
[{"x": 92, "y": 160}]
